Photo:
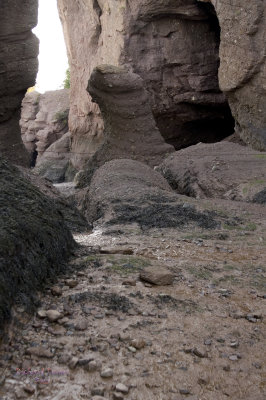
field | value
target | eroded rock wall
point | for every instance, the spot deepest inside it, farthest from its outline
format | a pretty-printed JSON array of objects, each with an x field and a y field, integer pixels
[
  {"x": 242, "y": 73},
  {"x": 18, "y": 69},
  {"x": 172, "y": 45}
]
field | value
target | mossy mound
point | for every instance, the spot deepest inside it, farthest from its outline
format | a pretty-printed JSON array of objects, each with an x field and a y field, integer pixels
[{"x": 34, "y": 239}]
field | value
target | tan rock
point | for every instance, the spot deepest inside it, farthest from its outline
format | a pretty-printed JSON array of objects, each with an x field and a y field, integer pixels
[{"x": 157, "y": 276}]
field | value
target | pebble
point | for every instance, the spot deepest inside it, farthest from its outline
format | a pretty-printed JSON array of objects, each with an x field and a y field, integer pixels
[
  {"x": 73, "y": 362},
  {"x": 56, "y": 291},
  {"x": 129, "y": 282},
  {"x": 208, "y": 342},
  {"x": 71, "y": 283},
  {"x": 120, "y": 387},
  {"x": 41, "y": 314},
  {"x": 93, "y": 366},
  {"x": 81, "y": 325},
  {"x": 234, "y": 357},
  {"x": 138, "y": 343},
  {"x": 40, "y": 352},
  {"x": 107, "y": 373},
  {"x": 118, "y": 396},
  {"x": 53, "y": 315},
  {"x": 184, "y": 391},
  {"x": 98, "y": 391},
  {"x": 29, "y": 389},
  {"x": 132, "y": 349},
  {"x": 199, "y": 353}
]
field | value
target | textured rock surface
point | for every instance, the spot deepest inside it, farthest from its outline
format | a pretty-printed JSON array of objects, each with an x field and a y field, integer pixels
[
  {"x": 157, "y": 276},
  {"x": 222, "y": 170},
  {"x": 18, "y": 69},
  {"x": 128, "y": 192},
  {"x": 172, "y": 45},
  {"x": 34, "y": 239},
  {"x": 130, "y": 130},
  {"x": 242, "y": 70},
  {"x": 73, "y": 218}
]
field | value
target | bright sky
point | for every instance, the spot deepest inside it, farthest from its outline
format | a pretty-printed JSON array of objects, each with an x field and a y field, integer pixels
[{"x": 53, "y": 61}]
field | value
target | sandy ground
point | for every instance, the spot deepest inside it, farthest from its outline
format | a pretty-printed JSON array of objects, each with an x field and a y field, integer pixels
[{"x": 201, "y": 338}]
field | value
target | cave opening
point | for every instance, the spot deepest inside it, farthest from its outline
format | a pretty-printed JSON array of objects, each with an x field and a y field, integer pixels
[{"x": 210, "y": 118}]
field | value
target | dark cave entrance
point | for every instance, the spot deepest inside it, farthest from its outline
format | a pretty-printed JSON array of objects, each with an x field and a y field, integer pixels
[{"x": 208, "y": 121}]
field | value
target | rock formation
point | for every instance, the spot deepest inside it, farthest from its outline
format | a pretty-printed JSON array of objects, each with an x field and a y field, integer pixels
[
  {"x": 44, "y": 128},
  {"x": 18, "y": 69},
  {"x": 130, "y": 130},
  {"x": 124, "y": 192},
  {"x": 242, "y": 72},
  {"x": 172, "y": 45},
  {"x": 220, "y": 170},
  {"x": 34, "y": 239}
]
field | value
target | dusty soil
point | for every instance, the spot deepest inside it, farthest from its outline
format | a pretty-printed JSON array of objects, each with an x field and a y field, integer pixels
[{"x": 202, "y": 338}]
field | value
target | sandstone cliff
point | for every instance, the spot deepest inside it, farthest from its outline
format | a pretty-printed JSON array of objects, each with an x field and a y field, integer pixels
[
  {"x": 172, "y": 45},
  {"x": 242, "y": 72},
  {"x": 18, "y": 69}
]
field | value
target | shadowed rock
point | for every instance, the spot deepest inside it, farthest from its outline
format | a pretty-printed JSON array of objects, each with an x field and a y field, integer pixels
[
  {"x": 129, "y": 192},
  {"x": 34, "y": 240},
  {"x": 130, "y": 129}
]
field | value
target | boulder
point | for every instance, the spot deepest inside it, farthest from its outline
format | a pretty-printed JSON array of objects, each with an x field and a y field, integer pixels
[
  {"x": 130, "y": 130},
  {"x": 124, "y": 192},
  {"x": 18, "y": 69},
  {"x": 222, "y": 170},
  {"x": 34, "y": 240}
]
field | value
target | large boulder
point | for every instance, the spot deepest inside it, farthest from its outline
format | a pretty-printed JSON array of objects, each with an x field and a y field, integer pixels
[
  {"x": 124, "y": 192},
  {"x": 172, "y": 44},
  {"x": 18, "y": 69},
  {"x": 34, "y": 239},
  {"x": 222, "y": 170},
  {"x": 242, "y": 71},
  {"x": 130, "y": 130}
]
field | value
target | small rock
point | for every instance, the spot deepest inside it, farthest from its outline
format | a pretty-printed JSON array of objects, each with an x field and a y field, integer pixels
[
  {"x": 98, "y": 391},
  {"x": 41, "y": 314},
  {"x": 63, "y": 359},
  {"x": 56, "y": 291},
  {"x": 208, "y": 342},
  {"x": 29, "y": 389},
  {"x": 71, "y": 283},
  {"x": 93, "y": 366},
  {"x": 184, "y": 391},
  {"x": 138, "y": 343},
  {"x": 40, "y": 352},
  {"x": 99, "y": 398},
  {"x": 157, "y": 276},
  {"x": 132, "y": 349},
  {"x": 120, "y": 387},
  {"x": 53, "y": 315},
  {"x": 107, "y": 373},
  {"x": 81, "y": 325},
  {"x": 118, "y": 396},
  {"x": 85, "y": 360},
  {"x": 56, "y": 330},
  {"x": 199, "y": 353},
  {"x": 129, "y": 282},
  {"x": 73, "y": 362},
  {"x": 234, "y": 357}
]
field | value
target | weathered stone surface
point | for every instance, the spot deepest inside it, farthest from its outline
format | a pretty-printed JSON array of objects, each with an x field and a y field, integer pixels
[
  {"x": 242, "y": 70},
  {"x": 173, "y": 45},
  {"x": 44, "y": 129},
  {"x": 73, "y": 218},
  {"x": 221, "y": 170},
  {"x": 130, "y": 130},
  {"x": 34, "y": 239},
  {"x": 157, "y": 276},
  {"x": 18, "y": 69},
  {"x": 127, "y": 192}
]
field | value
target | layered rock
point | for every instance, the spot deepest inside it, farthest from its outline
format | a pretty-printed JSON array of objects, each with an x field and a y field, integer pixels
[
  {"x": 125, "y": 192},
  {"x": 220, "y": 170},
  {"x": 18, "y": 69},
  {"x": 242, "y": 72},
  {"x": 44, "y": 128},
  {"x": 34, "y": 239},
  {"x": 172, "y": 45},
  {"x": 130, "y": 130}
]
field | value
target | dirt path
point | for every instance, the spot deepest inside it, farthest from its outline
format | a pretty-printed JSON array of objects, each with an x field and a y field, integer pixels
[{"x": 114, "y": 336}]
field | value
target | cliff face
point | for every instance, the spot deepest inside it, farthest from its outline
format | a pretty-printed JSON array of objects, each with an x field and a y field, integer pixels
[
  {"x": 242, "y": 72},
  {"x": 172, "y": 45},
  {"x": 18, "y": 69}
]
